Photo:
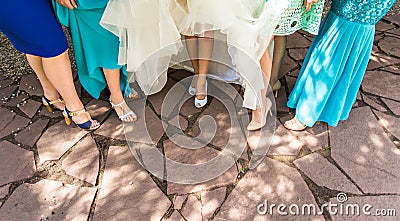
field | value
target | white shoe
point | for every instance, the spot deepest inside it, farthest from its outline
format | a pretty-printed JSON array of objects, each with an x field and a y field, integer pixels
[
  {"x": 200, "y": 103},
  {"x": 255, "y": 125},
  {"x": 192, "y": 90}
]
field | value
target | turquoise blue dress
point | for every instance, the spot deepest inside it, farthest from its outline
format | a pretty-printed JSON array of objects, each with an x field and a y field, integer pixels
[
  {"x": 94, "y": 47},
  {"x": 335, "y": 64}
]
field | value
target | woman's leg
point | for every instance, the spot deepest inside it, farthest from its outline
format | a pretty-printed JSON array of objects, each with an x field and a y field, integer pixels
[
  {"x": 116, "y": 98},
  {"x": 193, "y": 51},
  {"x": 258, "y": 116},
  {"x": 279, "y": 52},
  {"x": 58, "y": 72},
  {"x": 206, "y": 46},
  {"x": 49, "y": 91}
]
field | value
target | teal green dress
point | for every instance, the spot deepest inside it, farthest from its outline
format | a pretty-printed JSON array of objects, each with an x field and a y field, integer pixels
[
  {"x": 94, "y": 47},
  {"x": 335, "y": 64}
]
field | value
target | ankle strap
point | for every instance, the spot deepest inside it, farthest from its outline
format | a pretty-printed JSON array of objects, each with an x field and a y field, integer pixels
[
  {"x": 74, "y": 113},
  {"x": 117, "y": 105}
]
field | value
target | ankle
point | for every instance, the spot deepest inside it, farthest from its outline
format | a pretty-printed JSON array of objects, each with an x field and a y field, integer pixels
[{"x": 116, "y": 99}]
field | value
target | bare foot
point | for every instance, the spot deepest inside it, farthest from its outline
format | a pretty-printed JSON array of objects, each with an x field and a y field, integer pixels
[{"x": 133, "y": 95}]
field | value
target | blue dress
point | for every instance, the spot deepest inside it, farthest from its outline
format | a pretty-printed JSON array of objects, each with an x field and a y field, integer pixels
[
  {"x": 32, "y": 27},
  {"x": 94, "y": 47},
  {"x": 335, "y": 64}
]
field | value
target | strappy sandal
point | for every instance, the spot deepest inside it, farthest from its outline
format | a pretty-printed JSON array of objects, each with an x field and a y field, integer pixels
[
  {"x": 49, "y": 104},
  {"x": 124, "y": 117},
  {"x": 295, "y": 125},
  {"x": 88, "y": 125}
]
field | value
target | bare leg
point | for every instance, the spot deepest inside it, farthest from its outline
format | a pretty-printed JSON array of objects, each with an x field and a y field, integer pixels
[
  {"x": 58, "y": 72},
  {"x": 206, "y": 46},
  {"x": 113, "y": 82},
  {"x": 192, "y": 48},
  {"x": 258, "y": 115},
  {"x": 49, "y": 91},
  {"x": 279, "y": 52}
]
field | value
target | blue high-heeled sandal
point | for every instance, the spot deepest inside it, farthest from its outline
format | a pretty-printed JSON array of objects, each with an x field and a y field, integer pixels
[
  {"x": 88, "y": 125},
  {"x": 49, "y": 104}
]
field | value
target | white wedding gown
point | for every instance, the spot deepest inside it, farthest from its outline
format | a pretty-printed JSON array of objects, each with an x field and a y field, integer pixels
[{"x": 150, "y": 40}]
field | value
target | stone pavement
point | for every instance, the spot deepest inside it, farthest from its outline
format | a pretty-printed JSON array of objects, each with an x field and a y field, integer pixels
[{"x": 49, "y": 171}]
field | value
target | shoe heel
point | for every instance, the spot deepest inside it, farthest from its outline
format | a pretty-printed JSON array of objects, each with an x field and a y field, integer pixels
[
  {"x": 49, "y": 108},
  {"x": 276, "y": 93},
  {"x": 68, "y": 120}
]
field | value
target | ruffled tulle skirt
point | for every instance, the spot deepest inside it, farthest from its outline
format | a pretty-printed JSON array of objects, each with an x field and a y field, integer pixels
[
  {"x": 332, "y": 71},
  {"x": 245, "y": 27},
  {"x": 150, "y": 36}
]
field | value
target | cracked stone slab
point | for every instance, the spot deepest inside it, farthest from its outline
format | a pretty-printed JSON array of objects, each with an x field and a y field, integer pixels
[
  {"x": 178, "y": 201},
  {"x": 176, "y": 216},
  {"x": 8, "y": 92},
  {"x": 157, "y": 99},
  {"x": 379, "y": 60},
  {"x": 197, "y": 156},
  {"x": 281, "y": 100},
  {"x": 30, "y": 107},
  {"x": 393, "y": 105},
  {"x": 112, "y": 128},
  {"x": 18, "y": 123},
  {"x": 291, "y": 81},
  {"x": 98, "y": 109},
  {"x": 6, "y": 116},
  {"x": 388, "y": 85},
  {"x": 16, "y": 163},
  {"x": 4, "y": 191},
  {"x": 369, "y": 204},
  {"x": 362, "y": 149},
  {"x": 316, "y": 137},
  {"x": 373, "y": 102},
  {"x": 147, "y": 129},
  {"x": 188, "y": 108},
  {"x": 383, "y": 26},
  {"x": 296, "y": 40},
  {"x": 298, "y": 53},
  {"x": 391, "y": 123},
  {"x": 394, "y": 18},
  {"x": 192, "y": 209},
  {"x": 44, "y": 112},
  {"x": 390, "y": 45},
  {"x": 284, "y": 143},
  {"x": 57, "y": 139},
  {"x": 273, "y": 182},
  {"x": 128, "y": 189},
  {"x": 31, "y": 133},
  {"x": 288, "y": 65},
  {"x": 30, "y": 84},
  {"x": 83, "y": 161},
  {"x": 18, "y": 100},
  {"x": 323, "y": 173},
  {"x": 48, "y": 200},
  {"x": 6, "y": 82},
  {"x": 393, "y": 69},
  {"x": 225, "y": 129},
  {"x": 211, "y": 200}
]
